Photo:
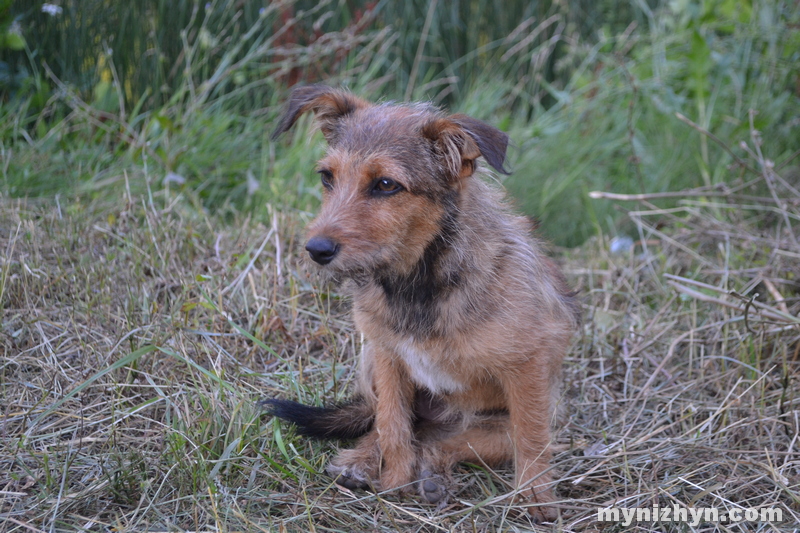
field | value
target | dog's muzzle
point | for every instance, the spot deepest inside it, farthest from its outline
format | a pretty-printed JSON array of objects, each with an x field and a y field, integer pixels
[{"x": 322, "y": 250}]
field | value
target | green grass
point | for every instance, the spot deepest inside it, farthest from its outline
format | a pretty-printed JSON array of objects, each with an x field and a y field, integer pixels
[
  {"x": 457, "y": 41},
  {"x": 603, "y": 118}
]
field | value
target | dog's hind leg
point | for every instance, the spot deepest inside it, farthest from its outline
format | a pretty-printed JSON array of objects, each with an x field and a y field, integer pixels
[
  {"x": 359, "y": 467},
  {"x": 486, "y": 441}
]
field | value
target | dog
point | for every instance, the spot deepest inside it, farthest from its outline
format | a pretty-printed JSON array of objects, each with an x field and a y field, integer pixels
[{"x": 465, "y": 320}]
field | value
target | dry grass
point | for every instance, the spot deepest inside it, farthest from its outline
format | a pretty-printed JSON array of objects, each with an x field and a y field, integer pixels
[{"x": 137, "y": 335}]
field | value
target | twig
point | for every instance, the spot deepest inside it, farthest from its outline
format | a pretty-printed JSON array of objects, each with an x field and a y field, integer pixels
[
  {"x": 690, "y": 193},
  {"x": 747, "y": 305},
  {"x": 767, "y": 311},
  {"x": 776, "y": 295},
  {"x": 598, "y": 195}
]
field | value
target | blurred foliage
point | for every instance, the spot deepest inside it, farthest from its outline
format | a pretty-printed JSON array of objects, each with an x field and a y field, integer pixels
[
  {"x": 614, "y": 128},
  {"x": 10, "y": 39},
  {"x": 151, "y": 46}
]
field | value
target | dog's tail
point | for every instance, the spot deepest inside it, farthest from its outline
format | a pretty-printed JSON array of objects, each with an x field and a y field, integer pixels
[{"x": 345, "y": 421}]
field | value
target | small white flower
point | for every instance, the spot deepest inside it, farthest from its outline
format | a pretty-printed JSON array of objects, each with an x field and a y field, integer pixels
[
  {"x": 206, "y": 39},
  {"x": 252, "y": 183},
  {"x": 621, "y": 244},
  {"x": 52, "y": 9},
  {"x": 172, "y": 177}
]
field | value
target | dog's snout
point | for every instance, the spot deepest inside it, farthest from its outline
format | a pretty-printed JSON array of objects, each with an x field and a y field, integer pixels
[{"x": 322, "y": 249}]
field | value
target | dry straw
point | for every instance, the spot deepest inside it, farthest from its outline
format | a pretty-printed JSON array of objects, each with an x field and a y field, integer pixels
[{"x": 136, "y": 340}]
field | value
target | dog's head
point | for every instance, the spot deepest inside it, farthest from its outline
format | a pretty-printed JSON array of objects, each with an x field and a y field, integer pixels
[{"x": 392, "y": 177}]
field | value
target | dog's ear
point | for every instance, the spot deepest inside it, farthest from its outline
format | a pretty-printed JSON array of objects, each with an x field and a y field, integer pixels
[
  {"x": 328, "y": 104},
  {"x": 492, "y": 142},
  {"x": 461, "y": 140}
]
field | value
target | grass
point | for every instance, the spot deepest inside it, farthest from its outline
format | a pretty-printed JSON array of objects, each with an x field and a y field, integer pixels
[
  {"x": 444, "y": 48},
  {"x": 152, "y": 291},
  {"x": 138, "y": 333},
  {"x": 589, "y": 109}
]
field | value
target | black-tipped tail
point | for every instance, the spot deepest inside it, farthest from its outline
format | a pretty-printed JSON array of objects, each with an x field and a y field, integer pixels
[{"x": 346, "y": 421}]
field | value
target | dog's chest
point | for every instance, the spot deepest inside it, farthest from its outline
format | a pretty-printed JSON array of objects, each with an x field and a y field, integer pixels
[{"x": 426, "y": 371}]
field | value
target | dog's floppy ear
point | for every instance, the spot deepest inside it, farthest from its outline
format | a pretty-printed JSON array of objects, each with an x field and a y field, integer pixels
[
  {"x": 328, "y": 104},
  {"x": 460, "y": 140}
]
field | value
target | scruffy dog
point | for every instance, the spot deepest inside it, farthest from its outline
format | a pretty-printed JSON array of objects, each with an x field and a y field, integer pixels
[{"x": 465, "y": 320}]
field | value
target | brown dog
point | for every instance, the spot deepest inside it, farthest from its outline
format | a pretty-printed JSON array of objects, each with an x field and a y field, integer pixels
[{"x": 465, "y": 320}]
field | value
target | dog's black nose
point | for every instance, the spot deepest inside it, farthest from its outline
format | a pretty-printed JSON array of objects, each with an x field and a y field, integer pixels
[{"x": 322, "y": 250}]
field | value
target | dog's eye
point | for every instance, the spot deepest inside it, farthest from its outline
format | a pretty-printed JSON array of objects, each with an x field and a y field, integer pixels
[
  {"x": 326, "y": 176},
  {"x": 385, "y": 187}
]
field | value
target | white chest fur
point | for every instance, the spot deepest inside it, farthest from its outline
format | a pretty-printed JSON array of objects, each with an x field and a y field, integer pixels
[{"x": 425, "y": 371}]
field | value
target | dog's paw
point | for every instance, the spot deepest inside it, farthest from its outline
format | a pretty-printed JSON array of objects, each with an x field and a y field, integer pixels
[
  {"x": 540, "y": 506},
  {"x": 432, "y": 487},
  {"x": 543, "y": 514},
  {"x": 350, "y": 477}
]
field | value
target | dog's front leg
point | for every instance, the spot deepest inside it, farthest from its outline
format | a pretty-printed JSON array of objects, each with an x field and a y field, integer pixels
[
  {"x": 394, "y": 420},
  {"x": 528, "y": 396}
]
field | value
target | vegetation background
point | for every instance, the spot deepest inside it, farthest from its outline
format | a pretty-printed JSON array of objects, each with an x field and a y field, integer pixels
[{"x": 151, "y": 287}]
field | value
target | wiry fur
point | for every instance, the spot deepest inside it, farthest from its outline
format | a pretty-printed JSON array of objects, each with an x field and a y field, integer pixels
[{"x": 465, "y": 319}]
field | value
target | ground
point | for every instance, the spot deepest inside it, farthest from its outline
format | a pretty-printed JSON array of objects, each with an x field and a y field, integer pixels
[{"x": 138, "y": 333}]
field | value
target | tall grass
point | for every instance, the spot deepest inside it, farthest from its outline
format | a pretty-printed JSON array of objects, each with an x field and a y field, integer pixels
[
  {"x": 143, "y": 91},
  {"x": 616, "y": 126},
  {"x": 439, "y": 47}
]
